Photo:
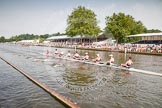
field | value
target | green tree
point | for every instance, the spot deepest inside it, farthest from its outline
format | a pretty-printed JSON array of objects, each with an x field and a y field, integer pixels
[
  {"x": 24, "y": 37},
  {"x": 44, "y": 36},
  {"x": 15, "y": 38},
  {"x": 153, "y": 31},
  {"x": 138, "y": 28},
  {"x": 82, "y": 22},
  {"x": 57, "y": 34},
  {"x": 2, "y": 39},
  {"x": 41, "y": 40},
  {"x": 121, "y": 25}
]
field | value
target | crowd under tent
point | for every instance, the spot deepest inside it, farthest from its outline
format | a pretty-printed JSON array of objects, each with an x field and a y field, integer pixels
[{"x": 148, "y": 38}]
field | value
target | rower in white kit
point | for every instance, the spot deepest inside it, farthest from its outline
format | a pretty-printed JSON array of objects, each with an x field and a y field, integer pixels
[
  {"x": 68, "y": 54},
  {"x": 76, "y": 55},
  {"x": 55, "y": 52},
  {"x": 128, "y": 63},
  {"x": 61, "y": 53},
  {"x": 47, "y": 52},
  {"x": 98, "y": 58},
  {"x": 86, "y": 57},
  {"x": 111, "y": 61}
]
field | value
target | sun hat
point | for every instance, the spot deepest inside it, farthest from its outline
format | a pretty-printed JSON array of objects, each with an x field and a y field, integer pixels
[{"x": 111, "y": 55}]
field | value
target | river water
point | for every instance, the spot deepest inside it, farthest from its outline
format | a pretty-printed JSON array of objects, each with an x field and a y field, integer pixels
[{"x": 87, "y": 85}]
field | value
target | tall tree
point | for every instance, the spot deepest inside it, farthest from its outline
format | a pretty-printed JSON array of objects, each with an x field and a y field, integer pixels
[
  {"x": 138, "y": 28},
  {"x": 82, "y": 22},
  {"x": 122, "y": 25},
  {"x": 2, "y": 39},
  {"x": 153, "y": 31}
]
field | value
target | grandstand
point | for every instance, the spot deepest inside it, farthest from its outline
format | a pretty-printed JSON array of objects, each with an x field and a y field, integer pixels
[
  {"x": 75, "y": 39},
  {"x": 148, "y": 38}
]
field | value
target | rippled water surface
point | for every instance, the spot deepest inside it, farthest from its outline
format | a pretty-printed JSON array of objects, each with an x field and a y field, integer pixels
[{"x": 89, "y": 86}]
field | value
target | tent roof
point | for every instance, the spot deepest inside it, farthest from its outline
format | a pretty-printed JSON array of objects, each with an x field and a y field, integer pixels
[
  {"x": 58, "y": 37},
  {"x": 63, "y": 37},
  {"x": 26, "y": 41}
]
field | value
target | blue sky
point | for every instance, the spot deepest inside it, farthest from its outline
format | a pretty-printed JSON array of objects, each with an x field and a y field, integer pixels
[{"x": 49, "y": 16}]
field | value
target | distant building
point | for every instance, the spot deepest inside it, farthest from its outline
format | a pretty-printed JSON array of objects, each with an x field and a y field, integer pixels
[{"x": 148, "y": 38}]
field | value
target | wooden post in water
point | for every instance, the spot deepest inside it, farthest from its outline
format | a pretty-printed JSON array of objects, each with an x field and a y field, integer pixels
[
  {"x": 53, "y": 93},
  {"x": 75, "y": 48}
]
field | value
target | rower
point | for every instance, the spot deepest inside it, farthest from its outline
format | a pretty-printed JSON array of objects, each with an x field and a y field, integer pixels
[
  {"x": 98, "y": 58},
  {"x": 68, "y": 54},
  {"x": 128, "y": 63},
  {"x": 86, "y": 57},
  {"x": 111, "y": 61},
  {"x": 61, "y": 53},
  {"x": 55, "y": 52},
  {"x": 76, "y": 55},
  {"x": 47, "y": 52}
]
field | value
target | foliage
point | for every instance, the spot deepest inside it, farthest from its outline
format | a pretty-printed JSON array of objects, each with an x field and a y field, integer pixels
[
  {"x": 138, "y": 28},
  {"x": 81, "y": 22},
  {"x": 57, "y": 34},
  {"x": 41, "y": 40},
  {"x": 44, "y": 36},
  {"x": 23, "y": 37},
  {"x": 2, "y": 39},
  {"x": 153, "y": 31},
  {"x": 121, "y": 25},
  {"x": 108, "y": 34},
  {"x": 29, "y": 37}
]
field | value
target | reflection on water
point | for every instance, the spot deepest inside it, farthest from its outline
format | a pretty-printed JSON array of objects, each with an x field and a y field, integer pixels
[
  {"x": 89, "y": 85},
  {"x": 78, "y": 77}
]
